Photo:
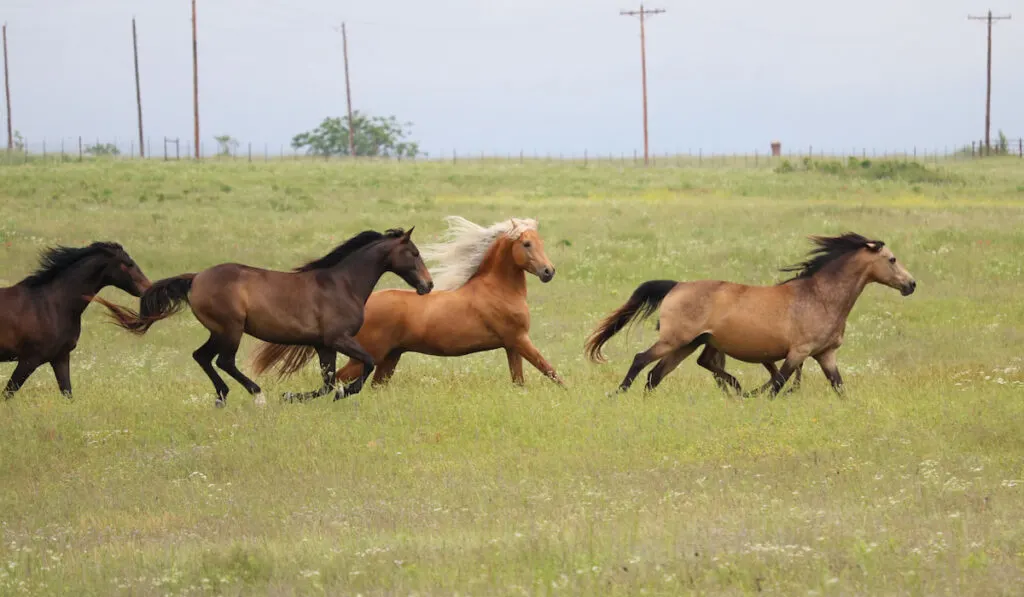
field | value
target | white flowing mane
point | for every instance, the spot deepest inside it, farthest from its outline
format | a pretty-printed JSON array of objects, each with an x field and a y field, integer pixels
[{"x": 463, "y": 247}]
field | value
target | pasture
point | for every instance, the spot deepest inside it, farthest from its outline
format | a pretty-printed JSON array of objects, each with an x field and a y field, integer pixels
[{"x": 450, "y": 480}]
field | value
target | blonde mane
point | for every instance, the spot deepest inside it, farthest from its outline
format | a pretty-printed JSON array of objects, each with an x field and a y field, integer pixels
[{"x": 463, "y": 247}]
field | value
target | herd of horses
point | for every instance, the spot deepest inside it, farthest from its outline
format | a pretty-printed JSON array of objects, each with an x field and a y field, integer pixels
[{"x": 478, "y": 303}]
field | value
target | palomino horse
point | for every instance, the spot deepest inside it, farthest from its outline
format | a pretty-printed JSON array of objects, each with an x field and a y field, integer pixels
[
  {"x": 480, "y": 305},
  {"x": 41, "y": 316},
  {"x": 319, "y": 304},
  {"x": 802, "y": 317}
]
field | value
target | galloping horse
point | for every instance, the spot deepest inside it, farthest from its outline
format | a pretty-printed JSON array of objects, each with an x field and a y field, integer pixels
[
  {"x": 802, "y": 317},
  {"x": 480, "y": 304},
  {"x": 319, "y": 304},
  {"x": 41, "y": 316}
]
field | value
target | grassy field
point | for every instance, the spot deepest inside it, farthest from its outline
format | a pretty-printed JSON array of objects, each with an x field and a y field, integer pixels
[{"x": 452, "y": 481}]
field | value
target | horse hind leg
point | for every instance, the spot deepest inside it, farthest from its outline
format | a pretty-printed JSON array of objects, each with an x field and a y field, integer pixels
[
  {"x": 204, "y": 355},
  {"x": 713, "y": 360},
  {"x": 386, "y": 368},
  {"x": 667, "y": 365},
  {"x": 22, "y": 371},
  {"x": 226, "y": 362},
  {"x": 642, "y": 359}
]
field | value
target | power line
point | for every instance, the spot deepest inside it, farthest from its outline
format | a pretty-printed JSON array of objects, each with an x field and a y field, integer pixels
[
  {"x": 988, "y": 78},
  {"x": 643, "y": 60}
]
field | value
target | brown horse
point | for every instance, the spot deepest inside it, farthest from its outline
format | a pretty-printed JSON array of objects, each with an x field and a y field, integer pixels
[
  {"x": 319, "y": 304},
  {"x": 480, "y": 305},
  {"x": 802, "y": 317},
  {"x": 41, "y": 316}
]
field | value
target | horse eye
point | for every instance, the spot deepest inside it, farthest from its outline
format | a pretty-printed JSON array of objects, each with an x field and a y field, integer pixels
[
  {"x": 892, "y": 260},
  {"x": 527, "y": 245},
  {"x": 415, "y": 253}
]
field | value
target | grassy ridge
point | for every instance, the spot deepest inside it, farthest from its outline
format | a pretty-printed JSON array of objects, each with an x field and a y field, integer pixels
[{"x": 450, "y": 480}]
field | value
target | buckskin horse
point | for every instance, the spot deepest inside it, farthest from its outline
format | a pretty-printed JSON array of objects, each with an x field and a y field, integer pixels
[
  {"x": 319, "y": 304},
  {"x": 41, "y": 316},
  {"x": 804, "y": 316},
  {"x": 480, "y": 304}
]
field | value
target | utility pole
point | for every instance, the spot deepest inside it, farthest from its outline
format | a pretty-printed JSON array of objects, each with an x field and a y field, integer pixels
[
  {"x": 643, "y": 60},
  {"x": 348, "y": 96},
  {"x": 7, "y": 91},
  {"x": 138, "y": 89},
  {"x": 195, "y": 78},
  {"x": 988, "y": 82}
]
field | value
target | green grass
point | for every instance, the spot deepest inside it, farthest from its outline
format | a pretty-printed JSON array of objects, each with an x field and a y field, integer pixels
[{"x": 451, "y": 480}]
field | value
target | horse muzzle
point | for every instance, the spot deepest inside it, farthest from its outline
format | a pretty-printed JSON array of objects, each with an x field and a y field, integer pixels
[
  {"x": 909, "y": 288},
  {"x": 546, "y": 274},
  {"x": 422, "y": 289}
]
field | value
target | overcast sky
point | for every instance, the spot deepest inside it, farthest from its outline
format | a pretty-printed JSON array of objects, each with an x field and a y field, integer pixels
[{"x": 539, "y": 75}]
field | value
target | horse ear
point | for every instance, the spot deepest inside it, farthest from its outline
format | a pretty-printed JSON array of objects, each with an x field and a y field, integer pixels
[
  {"x": 408, "y": 235},
  {"x": 875, "y": 245}
]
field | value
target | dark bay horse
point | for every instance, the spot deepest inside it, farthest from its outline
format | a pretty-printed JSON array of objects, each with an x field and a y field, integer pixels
[
  {"x": 480, "y": 305},
  {"x": 802, "y": 317},
  {"x": 319, "y": 304},
  {"x": 41, "y": 316}
]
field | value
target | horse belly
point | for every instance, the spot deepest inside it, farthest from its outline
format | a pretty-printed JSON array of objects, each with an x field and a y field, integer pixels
[{"x": 750, "y": 345}]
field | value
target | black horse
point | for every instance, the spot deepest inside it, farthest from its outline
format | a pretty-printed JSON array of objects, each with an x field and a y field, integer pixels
[{"x": 41, "y": 316}]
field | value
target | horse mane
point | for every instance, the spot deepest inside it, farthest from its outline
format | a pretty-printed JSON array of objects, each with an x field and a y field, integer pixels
[
  {"x": 57, "y": 260},
  {"x": 464, "y": 245},
  {"x": 347, "y": 248},
  {"x": 828, "y": 250}
]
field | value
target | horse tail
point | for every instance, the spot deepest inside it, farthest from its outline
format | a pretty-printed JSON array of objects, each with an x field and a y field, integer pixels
[
  {"x": 643, "y": 302},
  {"x": 287, "y": 358},
  {"x": 163, "y": 299}
]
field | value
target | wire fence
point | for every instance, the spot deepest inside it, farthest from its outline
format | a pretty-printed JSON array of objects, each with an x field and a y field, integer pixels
[{"x": 74, "y": 149}]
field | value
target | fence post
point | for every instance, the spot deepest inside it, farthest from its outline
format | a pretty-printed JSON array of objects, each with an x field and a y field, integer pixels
[
  {"x": 584, "y": 158},
  {"x": 250, "y": 152},
  {"x": 44, "y": 149},
  {"x": 79, "y": 148},
  {"x": 62, "y": 149},
  {"x": 1020, "y": 146}
]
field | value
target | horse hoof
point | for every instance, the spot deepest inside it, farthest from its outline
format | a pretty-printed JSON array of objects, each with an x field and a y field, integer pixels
[
  {"x": 220, "y": 403},
  {"x": 259, "y": 399}
]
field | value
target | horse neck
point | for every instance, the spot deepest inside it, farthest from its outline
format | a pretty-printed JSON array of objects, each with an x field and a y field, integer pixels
[
  {"x": 363, "y": 269},
  {"x": 498, "y": 268},
  {"x": 841, "y": 285},
  {"x": 72, "y": 286}
]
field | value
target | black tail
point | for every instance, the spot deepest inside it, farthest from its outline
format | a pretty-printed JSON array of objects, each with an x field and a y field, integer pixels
[
  {"x": 163, "y": 299},
  {"x": 644, "y": 301}
]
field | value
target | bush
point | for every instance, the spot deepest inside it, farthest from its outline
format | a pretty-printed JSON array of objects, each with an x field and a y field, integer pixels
[{"x": 909, "y": 172}]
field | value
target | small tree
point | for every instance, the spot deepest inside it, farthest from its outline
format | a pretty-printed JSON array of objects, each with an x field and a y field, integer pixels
[
  {"x": 226, "y": 145},
  {"x": 1003, "y": 147},
  {"x": 373, "y": 136}
]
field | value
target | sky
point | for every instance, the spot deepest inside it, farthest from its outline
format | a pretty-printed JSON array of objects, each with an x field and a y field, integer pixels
[{"x": 542, "y": 76}]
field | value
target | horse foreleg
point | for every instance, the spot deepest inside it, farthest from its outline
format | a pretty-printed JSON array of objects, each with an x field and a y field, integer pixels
[
  {"x": 515, "y": 366},
  {"x": 524, "y": 346},
  {"x": 62, "y": 371},
  {"x": 830, "y": 368},
  {"x": 21, "y": 373},
  {"x": 328, "y": 361},
  {"x": 773, "y": 371},
  {"x": 792, "y": 363},
  {"x": 348, "y": 346}
]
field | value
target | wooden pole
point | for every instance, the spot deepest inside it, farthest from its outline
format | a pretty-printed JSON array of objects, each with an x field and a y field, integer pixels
[{"x": 138, "y": 89}]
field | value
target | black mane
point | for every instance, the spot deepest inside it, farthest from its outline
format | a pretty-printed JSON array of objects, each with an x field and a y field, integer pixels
[
  {"x": 347, "y": 248},
  {"x": 57, "y": 260},
  {"x": 829, "y": 249}
]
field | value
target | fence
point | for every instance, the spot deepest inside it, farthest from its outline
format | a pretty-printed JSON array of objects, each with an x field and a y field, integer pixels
[{"x": 78, "y": 149}]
